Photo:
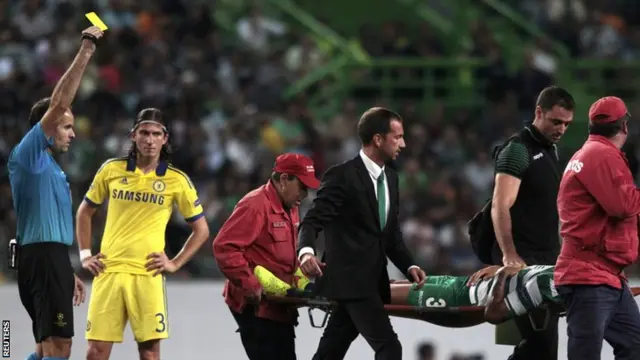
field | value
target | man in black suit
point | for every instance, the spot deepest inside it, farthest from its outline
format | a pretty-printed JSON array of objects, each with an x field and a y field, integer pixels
[{"x": 357, "y": 208}]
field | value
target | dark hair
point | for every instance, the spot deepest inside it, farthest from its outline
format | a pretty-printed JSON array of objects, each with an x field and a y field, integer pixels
[
  {"x": 154, "y": 115},
  {"x": 552, "y": 96},
  {"x": 374, "y": 121},
  {"x": 275, "y": 176},
  {"x": 607, "y": 130},
  {"x": 38, "y": 110}
]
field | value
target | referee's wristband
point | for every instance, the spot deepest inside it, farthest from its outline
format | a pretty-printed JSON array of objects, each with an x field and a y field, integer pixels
[
  {"x": 91, "y": 38},
  {"x": 86, "y": 253}
]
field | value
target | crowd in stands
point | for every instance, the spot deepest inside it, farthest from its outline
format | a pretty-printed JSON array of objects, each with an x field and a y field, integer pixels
[
  {"x": 222, "y": 89},
  {"x": 589, "y": 28}
]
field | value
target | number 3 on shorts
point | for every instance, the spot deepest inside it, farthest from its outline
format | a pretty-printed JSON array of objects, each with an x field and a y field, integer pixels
[{"x": 161, "y": 324}]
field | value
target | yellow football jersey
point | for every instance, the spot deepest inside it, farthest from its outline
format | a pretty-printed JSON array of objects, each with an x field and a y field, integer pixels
[{"x": 139, "y": 208}]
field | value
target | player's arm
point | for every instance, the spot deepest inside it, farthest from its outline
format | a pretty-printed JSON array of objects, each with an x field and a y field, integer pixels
[
  {"x": 94, "y": 197},
  {"x": 523, "y": 300},
  {"x": 84, "y": 215},
  {"x": 191, "y": 209},
  {"x": 511, "y": 164},
  {"x": 496, "y": 310},
  {"x": 240, "y": 230},
  {"x": 199, "y": 234},
  {"x": 608, "y": 184}
]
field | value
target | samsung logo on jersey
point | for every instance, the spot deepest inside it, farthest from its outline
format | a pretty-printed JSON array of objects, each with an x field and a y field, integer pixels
[{"x": 138, "y": 196}]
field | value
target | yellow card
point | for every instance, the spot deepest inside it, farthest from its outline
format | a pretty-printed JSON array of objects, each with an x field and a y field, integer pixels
[{"x": 96, "y": 21}]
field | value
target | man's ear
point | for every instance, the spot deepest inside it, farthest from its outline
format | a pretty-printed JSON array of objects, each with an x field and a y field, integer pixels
[
  {"x": 538, "y": 112},
  {"x": 377, "y": 140}
]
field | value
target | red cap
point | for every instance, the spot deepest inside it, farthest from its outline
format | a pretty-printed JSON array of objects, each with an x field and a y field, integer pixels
[
  {"x": 299, "y": 166},
  {"x": 611, "y": 106}
]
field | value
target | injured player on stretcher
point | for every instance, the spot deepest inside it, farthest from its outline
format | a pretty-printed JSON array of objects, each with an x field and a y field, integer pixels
[
  {"x": 505, "y": 292},
  {"x": 501, "y": 294}
]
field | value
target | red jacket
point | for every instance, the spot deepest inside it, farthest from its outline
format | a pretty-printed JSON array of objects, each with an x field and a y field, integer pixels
[
  {"x": 258, "y": 232},
  {"x": 598, "y": 204}
]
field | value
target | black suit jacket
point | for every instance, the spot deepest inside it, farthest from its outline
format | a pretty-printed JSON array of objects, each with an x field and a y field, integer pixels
[{"x": 356, "y": 249}]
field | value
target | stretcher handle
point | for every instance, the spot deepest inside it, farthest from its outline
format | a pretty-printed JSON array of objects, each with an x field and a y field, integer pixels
[
  {"x": 312, "y": 321},
  {"x": 315, "y": 303}
]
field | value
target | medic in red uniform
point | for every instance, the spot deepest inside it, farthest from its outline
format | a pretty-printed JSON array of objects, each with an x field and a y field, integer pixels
[
  {"x": 598, "y": 205},
  {"x": 263, "y": 230}
]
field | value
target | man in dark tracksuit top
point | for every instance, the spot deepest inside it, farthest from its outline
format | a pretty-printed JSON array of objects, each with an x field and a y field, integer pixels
[
  {"x": 42, "y": 202},
  {"x": 524, "y": 212}
]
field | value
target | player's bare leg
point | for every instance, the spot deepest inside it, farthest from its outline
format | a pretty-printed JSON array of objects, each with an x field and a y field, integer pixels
[
  {"x": 149, "y": 350},
  {"x": 99, "y": 350},
  {"x": 496, "y": 310},
  {"x": 56, "y": 347}
]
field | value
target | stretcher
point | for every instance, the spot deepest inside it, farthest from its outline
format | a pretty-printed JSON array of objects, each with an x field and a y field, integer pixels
[
  {"x": 454, "y": 317},
  {"x": 451, "y": 317}
]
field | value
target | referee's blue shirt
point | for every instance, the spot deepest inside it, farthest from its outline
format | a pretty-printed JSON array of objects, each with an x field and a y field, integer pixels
[{"x": 41, "y": 194}]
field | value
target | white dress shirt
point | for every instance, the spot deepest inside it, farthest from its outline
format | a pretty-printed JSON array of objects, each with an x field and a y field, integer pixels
[{"x": 374, "y": 171}]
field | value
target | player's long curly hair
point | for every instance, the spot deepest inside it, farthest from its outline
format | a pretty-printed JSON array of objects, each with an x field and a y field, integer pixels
[{"x": 152, "y": 114}]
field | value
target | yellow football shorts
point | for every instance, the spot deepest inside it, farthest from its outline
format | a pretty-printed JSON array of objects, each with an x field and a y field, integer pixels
[{"x": 118, "y": 297}]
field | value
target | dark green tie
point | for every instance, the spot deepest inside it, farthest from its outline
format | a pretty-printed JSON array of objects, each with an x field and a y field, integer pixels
[{"x": 382, "y": 201}]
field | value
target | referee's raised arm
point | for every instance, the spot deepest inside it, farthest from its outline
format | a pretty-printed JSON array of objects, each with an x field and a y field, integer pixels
[
  {"x": 42, "y": 202},
  {"x": 53, "y": 113},
  {"x": 66, "y": 88}
]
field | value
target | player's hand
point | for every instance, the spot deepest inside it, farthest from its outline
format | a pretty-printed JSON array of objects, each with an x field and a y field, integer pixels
[
  {"x": 482, "y": 274},
  {"x": 79, "y": 292},
  {"x": 310, "y": 265},
  {"x": 94, "y": 264},
  {"x": 418, "y": 276},
  {"x": 513, "y": 259},
  {"x": 160, "y": 263},
  {"x": 92, "y": 31}
]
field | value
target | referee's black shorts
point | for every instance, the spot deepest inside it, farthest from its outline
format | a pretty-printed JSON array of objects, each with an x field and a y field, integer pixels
[{"x": 46, "y": 285}]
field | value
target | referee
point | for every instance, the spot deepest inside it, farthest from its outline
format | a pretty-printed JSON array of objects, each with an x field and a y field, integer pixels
[
  {"x": 524, "y": 212},
  {"x": 42, "y": 201}
]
